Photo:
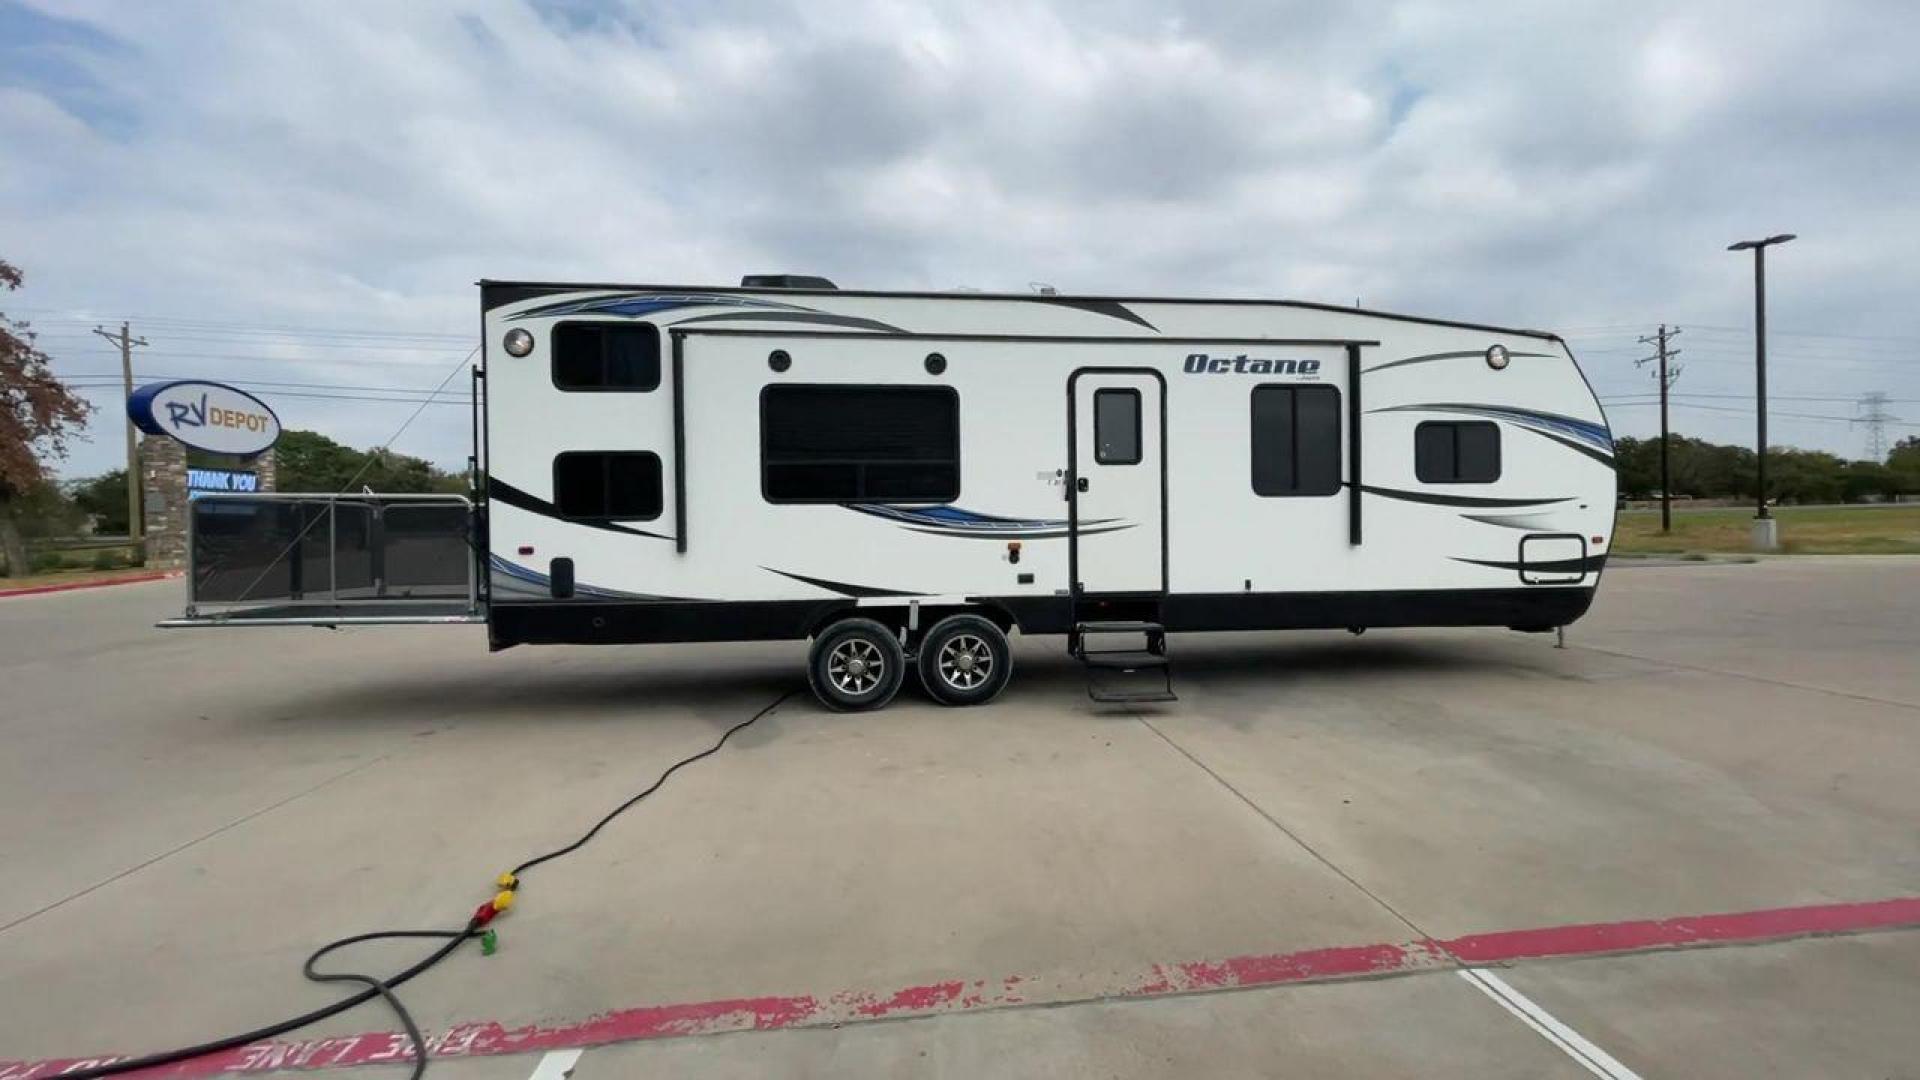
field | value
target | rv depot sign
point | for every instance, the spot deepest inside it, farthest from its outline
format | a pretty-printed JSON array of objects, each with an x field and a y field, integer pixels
[{"x": 206, "y": 416}]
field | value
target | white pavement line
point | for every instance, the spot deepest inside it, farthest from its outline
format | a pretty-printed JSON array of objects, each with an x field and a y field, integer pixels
[
  {"x": 556, "y": 1065},
  {"x": 1595, "y": 1060}
]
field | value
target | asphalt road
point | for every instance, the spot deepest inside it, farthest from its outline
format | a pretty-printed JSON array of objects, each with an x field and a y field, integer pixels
[{"x": 1283, "y": 873}]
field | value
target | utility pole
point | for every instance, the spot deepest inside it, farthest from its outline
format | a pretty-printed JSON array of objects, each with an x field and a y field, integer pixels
[
  {"x": 1666, "y": 377},
  {"x": 1875, "y": 418},
  {"x": 1766, "y": 532},
  {"x": 125, "y": 341}
]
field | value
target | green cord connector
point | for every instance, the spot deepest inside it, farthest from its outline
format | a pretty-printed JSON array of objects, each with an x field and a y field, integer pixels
[{"x": 489, "y": 943}]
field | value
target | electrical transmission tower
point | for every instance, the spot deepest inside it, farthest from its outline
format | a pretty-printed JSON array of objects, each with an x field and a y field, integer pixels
[
  {"x": 1667, "y": 373},
  {"x": 1875, "y": 418}
]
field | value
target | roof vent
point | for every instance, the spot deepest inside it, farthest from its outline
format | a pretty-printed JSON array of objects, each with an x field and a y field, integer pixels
[{"x": 785, "y": 281}]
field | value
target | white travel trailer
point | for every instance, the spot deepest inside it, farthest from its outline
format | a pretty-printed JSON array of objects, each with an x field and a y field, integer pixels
[{"x": 905, "y": 478}]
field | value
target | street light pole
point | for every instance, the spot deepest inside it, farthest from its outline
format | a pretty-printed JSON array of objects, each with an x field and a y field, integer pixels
[
  {"x": 1765, "y": 531},
  {"x": 1760, "y": 379}
]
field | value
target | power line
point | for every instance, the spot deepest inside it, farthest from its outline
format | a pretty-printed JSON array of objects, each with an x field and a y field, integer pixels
[
  {"x": 414, "y": 397},
  {"x": 269, "y": 382},
  {"x": 70, "y": 316},
  {"x": 60, "y": 342},
  {"x": 1748, "y": 397},
  {"x": 1620, "y": 329},
  {"x": 1750, "y": 412}
]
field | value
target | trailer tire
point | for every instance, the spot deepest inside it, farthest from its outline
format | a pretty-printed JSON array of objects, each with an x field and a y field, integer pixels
[
  {"x": 856, "y": 664},
  {"x": 965, "y": 660}
]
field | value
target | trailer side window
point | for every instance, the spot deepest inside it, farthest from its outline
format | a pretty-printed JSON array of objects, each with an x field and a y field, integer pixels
[
  {"x": 606, "y": 356},
  {"x": 1116, "y": 427},
  {"x": 1296, "y": 440},
  {"x": 593, "y": 486},
  {"x": 1456, "y": 452},
  {"x": 852, "y": 444}
]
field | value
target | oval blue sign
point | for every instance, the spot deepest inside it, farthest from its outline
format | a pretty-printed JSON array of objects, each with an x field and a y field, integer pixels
[{"x": 206, "y": 416}]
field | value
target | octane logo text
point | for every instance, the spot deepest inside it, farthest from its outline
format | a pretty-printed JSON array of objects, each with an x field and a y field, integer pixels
[{"x": 1203, "y": 364}]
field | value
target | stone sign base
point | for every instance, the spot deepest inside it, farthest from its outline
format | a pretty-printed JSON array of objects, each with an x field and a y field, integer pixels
[{"x": 164, "y": 496}]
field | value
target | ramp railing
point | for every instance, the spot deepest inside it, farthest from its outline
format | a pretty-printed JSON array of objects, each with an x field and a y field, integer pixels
[{"x": 297, "y": 559}]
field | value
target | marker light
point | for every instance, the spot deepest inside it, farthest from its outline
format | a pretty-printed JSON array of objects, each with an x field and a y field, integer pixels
[
  {"x": 1496, "y": 357},
  {"x": 518, "y": 342}
]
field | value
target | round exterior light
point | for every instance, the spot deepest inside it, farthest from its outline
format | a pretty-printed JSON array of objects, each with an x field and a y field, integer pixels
[
  {"x": 518, "y": 342},
  {"x": 1497, "y": 357}
]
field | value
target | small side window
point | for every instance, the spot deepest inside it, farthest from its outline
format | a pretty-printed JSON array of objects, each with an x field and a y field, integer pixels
[
  {"x": 589, "y": 486},
  {"x": 1456, "y": 452},
  {"x": 606, "y": 356},
  {"x": 1116, "y": 427}
]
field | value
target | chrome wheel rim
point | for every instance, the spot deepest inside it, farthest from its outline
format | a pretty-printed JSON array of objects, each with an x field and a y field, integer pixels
[
  {"x": 965, "y": 662},
  {"x": 856, "y": 666}
]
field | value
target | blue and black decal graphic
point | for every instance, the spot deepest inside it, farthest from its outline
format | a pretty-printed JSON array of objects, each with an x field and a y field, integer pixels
[
  {"x": 841, "y": 587},
  {"x": 1457, "y": 354},
  {"x": 1590, "y": 438},
  {"x": 1112, "y": 309},
  {"x": 502, "y": 492},
  {"x": 969, "y": 524},
  {"x": 748, "y": 308},
  {"x": 1434, "y": 498},
  {"x": 1590, "y": 564},
  {"x": 520, "y": 583},
  {"x": 1526, "y": 522}
]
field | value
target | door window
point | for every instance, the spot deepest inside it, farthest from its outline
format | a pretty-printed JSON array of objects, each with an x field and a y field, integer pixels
[{"x": 1116, "y": 427}]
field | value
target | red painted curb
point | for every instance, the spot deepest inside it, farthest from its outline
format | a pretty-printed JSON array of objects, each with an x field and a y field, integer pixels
[
  {"x": 135, "y": 579},
  {"x": 487, "y": 1038}
]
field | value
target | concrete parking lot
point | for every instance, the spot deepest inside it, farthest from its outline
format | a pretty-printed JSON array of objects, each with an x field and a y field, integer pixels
[{"x": 1685, "y": 845}]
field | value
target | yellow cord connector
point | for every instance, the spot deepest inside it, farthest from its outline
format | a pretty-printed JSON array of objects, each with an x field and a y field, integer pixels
[
  {"x": 503, "y": 901},
  {"x": 507, "y": 881}
]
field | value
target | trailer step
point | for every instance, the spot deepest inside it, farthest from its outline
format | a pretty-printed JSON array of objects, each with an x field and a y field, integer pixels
[
  {"x": 1145, "y": 666},
  {"x": 1124, "y": 659},
  {"x": 1148, "y": 696}
]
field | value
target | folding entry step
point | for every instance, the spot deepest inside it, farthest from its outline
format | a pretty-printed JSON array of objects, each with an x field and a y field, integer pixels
[{"x": 1110, "y": 670}]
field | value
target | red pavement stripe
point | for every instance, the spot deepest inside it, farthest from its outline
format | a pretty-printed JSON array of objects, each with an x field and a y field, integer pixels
[
  {"x": 487, "y": 1038},
  {"x": 69, "y": 586}
]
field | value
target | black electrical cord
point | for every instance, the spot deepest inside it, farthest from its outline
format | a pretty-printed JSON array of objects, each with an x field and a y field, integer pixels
[{"x": 383, "y": 988}]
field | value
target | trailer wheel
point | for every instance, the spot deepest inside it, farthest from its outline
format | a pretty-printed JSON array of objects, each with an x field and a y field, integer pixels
[
  {"x": 965, "y": 660},
  {"x": 856, "y": 664}
]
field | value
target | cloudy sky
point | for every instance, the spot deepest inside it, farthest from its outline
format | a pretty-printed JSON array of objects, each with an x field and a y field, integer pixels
[{"x": 299, "y": 196}]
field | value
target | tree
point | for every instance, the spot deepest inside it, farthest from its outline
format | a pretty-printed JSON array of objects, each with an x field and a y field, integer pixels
[
  {"x": 37, "y": 416},
  {"x": 104, "y": 499},
  {"x": 309, "y": 461},
  {"x": 1904, "y": 462},
  {"x": 1638, "y": 463}
]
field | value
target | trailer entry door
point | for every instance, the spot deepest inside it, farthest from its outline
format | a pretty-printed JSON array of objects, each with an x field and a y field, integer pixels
[{"x": 1117, "y": 488}]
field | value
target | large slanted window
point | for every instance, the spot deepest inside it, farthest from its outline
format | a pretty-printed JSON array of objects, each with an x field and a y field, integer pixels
[
  {"x": 821, "y": 443},
  {"x": 617, "y": 486},
  {"x": 606, "y": 356},
  {"x": 1456, "y": 452},
  {"x": 1296, "y": 440}
]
